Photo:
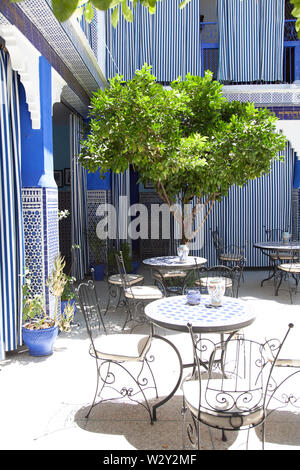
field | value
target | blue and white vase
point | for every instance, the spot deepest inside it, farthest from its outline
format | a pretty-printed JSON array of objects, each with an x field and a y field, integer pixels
[
  {"x": 216, "y": 290},
  {"x": 183, "y": 252},
  {"x": 193, "y": 296}
]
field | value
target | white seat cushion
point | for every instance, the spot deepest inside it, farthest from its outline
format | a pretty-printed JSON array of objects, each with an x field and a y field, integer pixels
[
  {"x": 130, "y": 279},
  {"x": 204, "y": 281},
  {"x": 275, "y": 256},
  {"x": 169, "y": 274},
  {"x": 121, "y": 347},
  {"x": 143, "y": 293},
  {"x": 290, "y": 267},
  {"x": 231, "y": 257},
  {"x": 215, "y": 414}
]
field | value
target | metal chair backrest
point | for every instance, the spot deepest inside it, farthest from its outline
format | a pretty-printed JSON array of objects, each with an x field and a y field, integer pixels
[
  {"x": 121, "y": 268},
  {"x": 123, "y": 274},
  {"x": 90, "y": 308},
  {"x": 220, "y": 271},
  {"x": 243, "y": 377},
  {"x": 218, "y": 241}
]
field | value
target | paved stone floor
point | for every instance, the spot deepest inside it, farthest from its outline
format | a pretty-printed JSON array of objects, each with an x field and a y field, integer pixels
[{"x": 44, "y": 400}]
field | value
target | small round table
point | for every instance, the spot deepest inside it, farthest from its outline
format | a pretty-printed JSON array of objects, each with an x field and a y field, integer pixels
[
  {"x": 175, "y": 313},
  {"x": 168, "y": 267},
  {"x": 268, "y": 247},
  {"x": 173, "y": 262}
]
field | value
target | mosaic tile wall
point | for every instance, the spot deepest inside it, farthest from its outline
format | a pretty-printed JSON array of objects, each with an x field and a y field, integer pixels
[
  {"x": 158, "y": 247},
  {"x": 40, "y": 206},
  {"x": 94, "y": 199}
]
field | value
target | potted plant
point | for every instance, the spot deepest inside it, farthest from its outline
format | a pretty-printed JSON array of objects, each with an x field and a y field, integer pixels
[
  {"x": 96, "y": 245},
  {"x": 130, "y": 267},
  {"x": 68, "y": 296},
  {"x": 39, "y": 330}
]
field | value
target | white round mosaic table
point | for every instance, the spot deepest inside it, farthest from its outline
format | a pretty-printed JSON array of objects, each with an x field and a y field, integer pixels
[{"x": 175, "y": 313}]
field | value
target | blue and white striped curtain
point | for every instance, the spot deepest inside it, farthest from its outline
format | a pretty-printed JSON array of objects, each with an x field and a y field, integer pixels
[
  {"x": 129, "y": 45},
  {"x": 120, "y": 190},
  {"x": 11, "y": 227},
  {"x": 242, "y": 215},
  {"x": 176, "y": 40},
  {"x": 250, "y": 40},
  {"x": 169, "y": 41},
  {"x": 78, "y": 201}
]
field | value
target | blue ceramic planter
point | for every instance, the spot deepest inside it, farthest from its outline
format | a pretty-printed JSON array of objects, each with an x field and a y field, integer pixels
[
  {"x": 98, "y": 272},
  {"x": 40, "y": 342},
  {"x": 135, "y": 266}
]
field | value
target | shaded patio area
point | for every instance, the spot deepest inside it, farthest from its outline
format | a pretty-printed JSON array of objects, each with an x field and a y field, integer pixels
[{"x": 45, "y": 400}]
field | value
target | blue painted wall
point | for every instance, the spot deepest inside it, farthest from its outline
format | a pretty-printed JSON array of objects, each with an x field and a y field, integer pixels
[
  {"x": 94, "y": 182},
  {"x": 37, "y": 144}
]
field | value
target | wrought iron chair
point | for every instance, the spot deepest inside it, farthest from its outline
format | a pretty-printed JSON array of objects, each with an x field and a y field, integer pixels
[
  {"x": 229, "y": 255},
  {"x": 231, "y": 276},
  {"x": 289, "y": 272},
  {"x": 135, "y": 295},
  {"x": 276, "y": 235},
  {"x": 115, "y": 353},
  {"x": 115, "y": 290},
  {"x": 171, "y": 282},
  {"x": 233, "y": 392}
]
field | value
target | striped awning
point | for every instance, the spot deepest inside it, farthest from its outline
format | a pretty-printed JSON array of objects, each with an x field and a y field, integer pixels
[
  {"x": 250, "y": 40},
  {"x": 11, "y": 226}
]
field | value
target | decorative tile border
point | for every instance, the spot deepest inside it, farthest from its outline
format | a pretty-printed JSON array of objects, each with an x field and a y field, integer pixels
[{"x": 40, "y": 219}]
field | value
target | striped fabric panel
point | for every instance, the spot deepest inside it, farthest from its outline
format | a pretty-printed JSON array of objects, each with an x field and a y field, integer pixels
[
  {"x": 11, "y": 228},
  {"x": 120, "y": 186},
  {"x": 78, "y": 203},
  {"x": 170, "y": 41},
  {"x": 242, "y": 215},
  {"x": 271, "y": 40},
  {"x": 129, "y": 45},
  {"x": 250, "y": 40}
]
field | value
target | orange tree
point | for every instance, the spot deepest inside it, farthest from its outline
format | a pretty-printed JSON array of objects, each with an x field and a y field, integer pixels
[{"x": 189, "y": 141}]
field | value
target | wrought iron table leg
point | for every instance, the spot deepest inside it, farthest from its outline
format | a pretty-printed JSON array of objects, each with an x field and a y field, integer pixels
[
  {"x": 172, "y": 393},
  {"x": 279, "y": 284},
  {"x": 270, "y": 277}
]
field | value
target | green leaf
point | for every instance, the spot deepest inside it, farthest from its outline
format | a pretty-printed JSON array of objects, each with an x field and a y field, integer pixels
[
  {"x": 183, "y": 4},
  {"x": 89, "y": 12},
  {"x": 102, "y": 4},
  {"x": 63, "y": 9},
  {"x": 115, "y": 17},
  {"x": 296, "y": 11},
  {"x": 126, "y": 11}
]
